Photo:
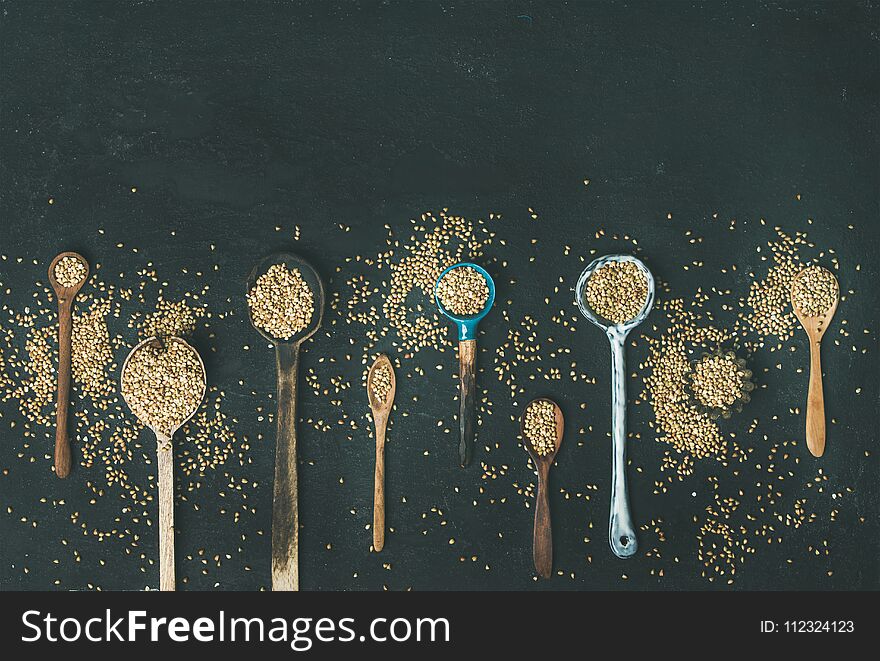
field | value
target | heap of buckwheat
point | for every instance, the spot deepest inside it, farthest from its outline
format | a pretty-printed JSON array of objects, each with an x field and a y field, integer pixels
[
  {"x": 717, "y": 381},
  {"x": 163, "y": 384},
  {"x": 381, "y": 383},
  {"x": 463, "y": 291},
  {"x": 281, "y": 302},
  {"x": 814, "y": 291},
  {"x": 617, "y": 291},
  {"x": 539, "y": 426},
  {"x": 70, "y": 271}
]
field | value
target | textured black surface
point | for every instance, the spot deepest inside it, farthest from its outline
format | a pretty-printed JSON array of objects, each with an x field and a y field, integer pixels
[{"x": 233, "y": 118}]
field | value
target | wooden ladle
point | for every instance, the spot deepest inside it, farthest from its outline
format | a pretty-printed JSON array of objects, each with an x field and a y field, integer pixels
[
  {"x": 815, "y": 327},
  {"x": 65, "y": 296},
  {"x": 380, "y": 411},
  {"x": 165, "y": 460},
  {"x": 542, "y": 543},
  {"x": 285, "y": 504}
]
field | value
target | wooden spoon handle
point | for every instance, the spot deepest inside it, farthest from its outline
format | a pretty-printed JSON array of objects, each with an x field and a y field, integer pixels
[
  {"x": 285, "y": 507},
  {"x": 166, "y": 513},
  {"x": 542, "y": 545},
  {"x": 467, "y": 404},
  {"x": 815, "y": 404},
  {"x": 62, "y": 440},
  {"x": 379, "y": 488}
]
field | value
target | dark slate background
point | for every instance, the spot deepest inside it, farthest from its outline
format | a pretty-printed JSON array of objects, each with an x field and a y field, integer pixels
[{"x": 232, "y": 118}]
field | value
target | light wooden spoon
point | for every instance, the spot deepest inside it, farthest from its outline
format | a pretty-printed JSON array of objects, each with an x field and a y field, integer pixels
[
  {"x": 380, "y": 411},
  {"x": 165, "y": 459},
  {"x": 65, "y": 296},
  {"x": 815, "y": 327},
  {"x": 542, "y": 542}
]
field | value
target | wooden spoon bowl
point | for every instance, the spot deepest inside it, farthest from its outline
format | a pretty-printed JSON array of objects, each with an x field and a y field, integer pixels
[
  {"x": 542, "y": 542},
  {"x": 380, "y": 411},
  {"x": 66, "y": 297},
  {"x": 165, "y": 461}
]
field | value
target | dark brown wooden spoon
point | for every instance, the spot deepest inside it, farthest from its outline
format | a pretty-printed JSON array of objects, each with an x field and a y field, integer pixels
[
  {"x": 285, "y": 503},
  {"x": 542, "y": 544},
  {"x": 65, "y": 296}
]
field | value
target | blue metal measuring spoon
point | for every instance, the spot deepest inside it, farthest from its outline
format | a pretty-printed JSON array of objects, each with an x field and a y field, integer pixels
[{"x": 467, "y": 361}]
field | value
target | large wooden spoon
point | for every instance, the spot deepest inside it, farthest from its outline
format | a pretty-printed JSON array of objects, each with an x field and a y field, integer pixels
[
  {"x": 65, "y": 296},
  {"x": 285, "y": 497},
  {"x": 165, "y": 460},
  {"x": 542, "y": 542},
  {"x": 815, "y": 327},
  {"x": 380, "y": 410}
]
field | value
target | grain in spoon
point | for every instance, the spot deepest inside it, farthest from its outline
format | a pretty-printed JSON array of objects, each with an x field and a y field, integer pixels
[
  {"x": 285, "y": 297},
  {"x": 163, "y": 382},
  {"x": 542, "y": 427}
]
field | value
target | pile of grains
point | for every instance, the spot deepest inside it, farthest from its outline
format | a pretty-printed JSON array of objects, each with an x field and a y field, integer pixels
[
  {"x": 717, "y": 381},
  {"x": 164, "y": 385},
  {"x": 814, "y": 291},
  {"x": 281, "y": 302},
  {"x": 413, "y": 265},
  {"x": 70, "y": 271},
  {"x": 539, "y": 426},
  {"x": 769, "y": 297},
  {"x": 381, "y": 383},
  {"x": 617, "y": 291},
  {"x": 692, "y": 433},
  {"x": 463, "y": 291}
]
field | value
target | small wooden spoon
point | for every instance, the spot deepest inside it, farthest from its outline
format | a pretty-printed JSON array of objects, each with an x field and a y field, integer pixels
[
  {"x": 542, "y": 544},
  {"x": 65, "y": 296},
  {"x": 815, "y": 328},
  {"x": 380, "y": 412},
  {"x": 285, "y": 495}
]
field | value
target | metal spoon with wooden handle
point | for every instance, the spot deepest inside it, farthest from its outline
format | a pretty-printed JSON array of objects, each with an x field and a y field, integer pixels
[
  {"x": 285, "y": 503},
  {"x": 542, "y": 542},
  {"x": 380, "y": 410},
  {"x": 815, "y": 327},
  {"x": 65, "y": 296},
  {"x": 165, "y": 459}
]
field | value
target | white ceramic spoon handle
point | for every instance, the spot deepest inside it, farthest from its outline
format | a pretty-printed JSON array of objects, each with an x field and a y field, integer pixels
[{"x": 621, "y": 534}]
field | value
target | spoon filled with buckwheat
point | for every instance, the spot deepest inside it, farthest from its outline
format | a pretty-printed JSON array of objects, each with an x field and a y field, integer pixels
[
  {"x": 814, "y": 297},
  {"x": 616, "y": 293},
  {"x": 163, "y": 383},
  {"x": 381, "y": 387},
  {"x": 68, "y": 272},
  {"x": 542, "y": 427},
  {"x": 285, "y": 299},
  {"x": 465, "y": 292}
]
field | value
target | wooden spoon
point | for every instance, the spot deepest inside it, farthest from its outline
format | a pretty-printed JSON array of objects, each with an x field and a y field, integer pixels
[
  {"x": 165, "y": 458},
  {"x": 380, "y": 412},
  {"x": 65, "y": 296},
  {"x": 285, "y": 500},
  {"x": 815, "y": 328},
  {"x": 542, "y": 544}
]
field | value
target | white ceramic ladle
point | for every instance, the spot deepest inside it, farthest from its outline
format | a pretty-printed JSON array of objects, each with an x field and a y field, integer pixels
[{"x": 621, "y": 533}]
